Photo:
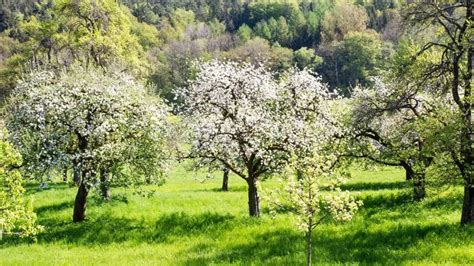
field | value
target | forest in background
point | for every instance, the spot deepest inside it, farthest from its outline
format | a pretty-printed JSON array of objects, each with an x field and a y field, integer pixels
[{"x": 345, "y": 41}]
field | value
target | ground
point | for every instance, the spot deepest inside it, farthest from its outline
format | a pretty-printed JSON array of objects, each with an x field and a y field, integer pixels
[{"x": 187, "y": 222}]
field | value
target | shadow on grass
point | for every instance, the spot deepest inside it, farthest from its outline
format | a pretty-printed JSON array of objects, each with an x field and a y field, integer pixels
[
  {"x": 392, "y": 200},
  {"x": 55, "y": 207},
  {"x": 107, "y": 229},
  {"x": 260, "y": 248},
  {"x": 286, "y": 247},
  {"x": 376, "y": 186},
  {"x": 231, "y": 189}
]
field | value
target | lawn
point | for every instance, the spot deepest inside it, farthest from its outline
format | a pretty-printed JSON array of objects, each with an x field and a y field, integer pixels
[{"x": 188, "y": 222}]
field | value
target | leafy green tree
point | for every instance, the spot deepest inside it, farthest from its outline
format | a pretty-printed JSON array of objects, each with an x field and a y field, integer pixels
[
  {"x": 358, "y": 58},
  {"x": 100, "y": 32},
  {"x": 263, "y": 30},
  {"x": 452, "y": 73},
  {"x": 244, "y": 33},
  {"x": 283, "y": 35},
  {"x": 343, "y": 18},
  {"x": 16, "y": 214},
  {"x": 307, "y": 58}
]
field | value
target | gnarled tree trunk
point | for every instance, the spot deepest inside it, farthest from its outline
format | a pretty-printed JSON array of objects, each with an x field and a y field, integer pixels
[
  {"x": 80, "y": 203},
  {"x": 408, "y": 170},
  {"x": 254, "y": 201},
  {"x": 418, "y": 179}
]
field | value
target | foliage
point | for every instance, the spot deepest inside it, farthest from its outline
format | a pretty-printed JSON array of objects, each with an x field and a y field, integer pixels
[
  {"x": 16, "y": 213},
  {"x": 360, "y": 58},
  {"x": 343, "y": 18}
]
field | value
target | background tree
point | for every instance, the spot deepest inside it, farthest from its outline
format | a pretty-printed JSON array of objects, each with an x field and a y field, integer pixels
[
  {"x": 343, "y": 18},
  {"x": 359, "y": 57},
  {"x": 399, "y": 125}
]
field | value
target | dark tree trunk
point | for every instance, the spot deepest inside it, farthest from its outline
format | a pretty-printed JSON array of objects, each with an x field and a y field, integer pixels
[
  {"x": 408, "y": 176},
  {"x": 467, "y": 153},
  {"x": 225, "y": 180},
  {"x": 105, "y": 185},
  {"x": 408, "y": 171},
  {"x": 418, "y": 179},
  {"x": 467, "y": 216},
  {"x": 80, "y": 203},
  {"x": 419, "y": 190},
  {"x": 254, "y": 201}
]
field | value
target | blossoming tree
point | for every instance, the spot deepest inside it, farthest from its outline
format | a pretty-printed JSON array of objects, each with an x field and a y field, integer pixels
[
  {"x": 250, "y": 122},
  {"x": 97, "y": 122},
  {"x": 403, "y": 126}
]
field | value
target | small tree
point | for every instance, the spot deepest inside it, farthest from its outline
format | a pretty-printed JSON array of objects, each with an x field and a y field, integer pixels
[
  {"x": 97, "y": 122},
  {"x": 303, "y": 195},
  {"x": 16, "y": 214},
  {"x": 249, "y": 122}
]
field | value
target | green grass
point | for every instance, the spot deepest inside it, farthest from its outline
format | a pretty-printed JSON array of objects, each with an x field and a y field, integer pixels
[{"x": 187, "y": 222}]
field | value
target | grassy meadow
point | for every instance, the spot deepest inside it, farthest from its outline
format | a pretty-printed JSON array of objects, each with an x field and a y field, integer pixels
[{"x": 187, "y": 222}]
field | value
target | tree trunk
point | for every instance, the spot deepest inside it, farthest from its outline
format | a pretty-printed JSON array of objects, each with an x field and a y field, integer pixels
[
  {"x": 225, "y": 180},
  {"x": 105, "y": 185},
  {"x": 467, "y": 216},
  {"x": 80, "y": 203},
  {"x": 408, "y": 171},
  {"x": 309, "y": 244},
  {"x": 419, "y": 190},
  {"x": 254, "y": 201}
]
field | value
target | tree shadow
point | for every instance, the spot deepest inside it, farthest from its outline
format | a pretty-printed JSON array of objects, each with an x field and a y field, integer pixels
[
  {"x": 107, "y": 229},
  {"x": 260, "y": 248},
  {"x": 375, "y": 186},
  {"x": 55, "y": 207},
  {"x": 287, "y": 247},
  {"x": 391, "y": 200},
  {"x": 231, "y": 189},
  {"x": 382, "y": 246}
]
